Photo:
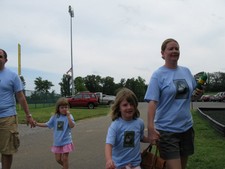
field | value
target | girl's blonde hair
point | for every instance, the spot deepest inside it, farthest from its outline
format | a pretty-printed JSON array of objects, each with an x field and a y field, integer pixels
[
  {"x": 130, "y": 97},
  {"x": 61, "y": 102}
]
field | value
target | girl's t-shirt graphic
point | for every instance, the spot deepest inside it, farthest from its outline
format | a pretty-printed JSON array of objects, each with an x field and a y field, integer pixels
[{"x": 128, "y": 139}]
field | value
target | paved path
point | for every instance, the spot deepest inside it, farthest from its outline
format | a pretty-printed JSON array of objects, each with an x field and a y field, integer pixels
[{"x": 89, "y": 138}]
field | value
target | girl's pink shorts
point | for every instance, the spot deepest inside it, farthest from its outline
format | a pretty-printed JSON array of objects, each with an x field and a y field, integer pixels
[{"x": 63, "y": 149}]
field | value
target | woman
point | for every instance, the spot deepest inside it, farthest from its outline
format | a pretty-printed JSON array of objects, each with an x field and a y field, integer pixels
[{"x": 169, "y": 95}]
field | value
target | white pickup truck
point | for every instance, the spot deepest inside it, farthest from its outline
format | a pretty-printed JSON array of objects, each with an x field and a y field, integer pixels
[{"x": 105, "y": 99}]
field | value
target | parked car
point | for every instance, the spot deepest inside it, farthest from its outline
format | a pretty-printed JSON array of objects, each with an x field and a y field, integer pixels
[
  {"x": 105, "y": 99},
  {"x": 214, "y": 98},
  {"x": 206, "y": 98},
  {"x": 219, "y": 97},
  {"x": 223, "y": 97},
  {"x": 84, "y": 99}
]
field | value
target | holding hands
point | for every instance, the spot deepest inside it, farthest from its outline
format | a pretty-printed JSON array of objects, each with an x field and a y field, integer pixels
[
  {"x": 153, "y": 136},
  {"x": 30, "y": 121}
]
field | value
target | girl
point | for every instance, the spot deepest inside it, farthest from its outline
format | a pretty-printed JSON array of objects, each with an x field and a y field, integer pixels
[
  {"x": 122, "y": 149},
  {"x": 61, "y": 122}
]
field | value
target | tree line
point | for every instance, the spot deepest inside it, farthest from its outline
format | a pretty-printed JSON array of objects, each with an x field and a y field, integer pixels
[{"x": 106, "y": 85}]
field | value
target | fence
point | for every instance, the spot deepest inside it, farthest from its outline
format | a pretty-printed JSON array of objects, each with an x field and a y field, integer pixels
[{"x": 40, "y": 100}]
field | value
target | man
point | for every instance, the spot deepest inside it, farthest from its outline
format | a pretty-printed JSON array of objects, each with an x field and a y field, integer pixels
[{"x": 10, "y": 86}]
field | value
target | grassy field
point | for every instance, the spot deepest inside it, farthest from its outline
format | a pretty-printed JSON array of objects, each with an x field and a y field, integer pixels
[
  {"x": 209, "y": 145},
  {"x": 43, "y": 114}
]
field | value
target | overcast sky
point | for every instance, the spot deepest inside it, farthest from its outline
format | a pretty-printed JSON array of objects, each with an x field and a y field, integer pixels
[{"x": 117, "y": 38}]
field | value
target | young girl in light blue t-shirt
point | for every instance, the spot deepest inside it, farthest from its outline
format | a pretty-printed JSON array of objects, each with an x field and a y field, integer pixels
[
  {"x": 61, "y": 122},
  {"x": 122, "y": 149}
]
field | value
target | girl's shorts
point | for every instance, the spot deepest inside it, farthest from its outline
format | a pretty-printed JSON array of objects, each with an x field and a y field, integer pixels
[
  {"x": 63, "y": 149},
  {"x": 130, "y": 167},
  {"x": 176, "y": 145}
]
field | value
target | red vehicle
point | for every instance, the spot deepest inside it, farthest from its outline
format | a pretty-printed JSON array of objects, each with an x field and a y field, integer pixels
[{"x": 84, "y": 99}]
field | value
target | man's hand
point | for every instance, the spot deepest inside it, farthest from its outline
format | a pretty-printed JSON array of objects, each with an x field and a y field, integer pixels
[{"x": 30, "y": 121}]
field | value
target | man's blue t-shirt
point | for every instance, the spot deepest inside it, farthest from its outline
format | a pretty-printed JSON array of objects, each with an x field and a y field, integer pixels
[
  {"x": 10, "y": 84},
  {"x": 172, "y": 89}
]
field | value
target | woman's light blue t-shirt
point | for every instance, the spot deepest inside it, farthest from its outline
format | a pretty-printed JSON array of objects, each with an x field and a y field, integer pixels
[{"x": 172, "y": 89}]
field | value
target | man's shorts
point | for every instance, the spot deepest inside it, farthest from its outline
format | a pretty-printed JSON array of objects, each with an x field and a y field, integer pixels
[
  {"x": 176, "y": 145},
  {"x": 9, "y": 141}
]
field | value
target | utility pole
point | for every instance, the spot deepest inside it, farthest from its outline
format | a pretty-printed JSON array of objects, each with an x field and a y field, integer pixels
[{"x": 71, "y": 40}]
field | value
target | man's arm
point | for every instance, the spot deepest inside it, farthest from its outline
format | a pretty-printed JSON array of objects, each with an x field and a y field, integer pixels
[{"x": 22, "y": 101}]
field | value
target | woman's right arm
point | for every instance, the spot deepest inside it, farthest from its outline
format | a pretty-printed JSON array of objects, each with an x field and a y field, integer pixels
[{"x": 153, "y": 134}]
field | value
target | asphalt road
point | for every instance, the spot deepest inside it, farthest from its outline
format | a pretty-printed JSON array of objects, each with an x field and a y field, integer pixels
[{"x": 89, "y": 139}]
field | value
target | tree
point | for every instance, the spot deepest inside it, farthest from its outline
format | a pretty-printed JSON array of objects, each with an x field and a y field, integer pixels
[
  {"x": 216, "y": 82},
  {"x": 130, "y": 84},
  {"x": 122, "y": 82},
  {"x": 108, "y": 85},
  {"x": 120, "y": 85},
  {"x": 79, "y": 84},
  {"x": 93, "y": 83},
  {"x": 42, "y": 86},
  {"x": 65, "y": 88},
  {"x": 138, "y": 86}
]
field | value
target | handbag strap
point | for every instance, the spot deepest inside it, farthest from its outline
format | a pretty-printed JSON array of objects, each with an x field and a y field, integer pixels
[
  {"x": 156, "y": 150},
  {"x": 155, "y": 156},
  {"x": 148, "y": 149}
]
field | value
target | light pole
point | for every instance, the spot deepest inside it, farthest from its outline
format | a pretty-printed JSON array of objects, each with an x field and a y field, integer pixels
[{"x": 71, "y": 39}]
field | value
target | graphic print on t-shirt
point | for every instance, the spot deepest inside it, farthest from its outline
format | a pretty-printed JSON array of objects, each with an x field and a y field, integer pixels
[
  {"x": 182, "y": 89},
  {"x": 128, "y": 139},
  {"x": 60, "y": 125}
]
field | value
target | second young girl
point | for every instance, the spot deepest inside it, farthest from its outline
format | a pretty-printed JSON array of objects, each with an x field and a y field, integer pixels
[
  {"x": 61, "y": 123},
  {"x": 122, "y": 149}
]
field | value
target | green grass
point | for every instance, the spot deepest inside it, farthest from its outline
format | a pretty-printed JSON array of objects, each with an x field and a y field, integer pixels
[
  {"x": 209, "y": 146},
  {"x": 43, "y": 114}
]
